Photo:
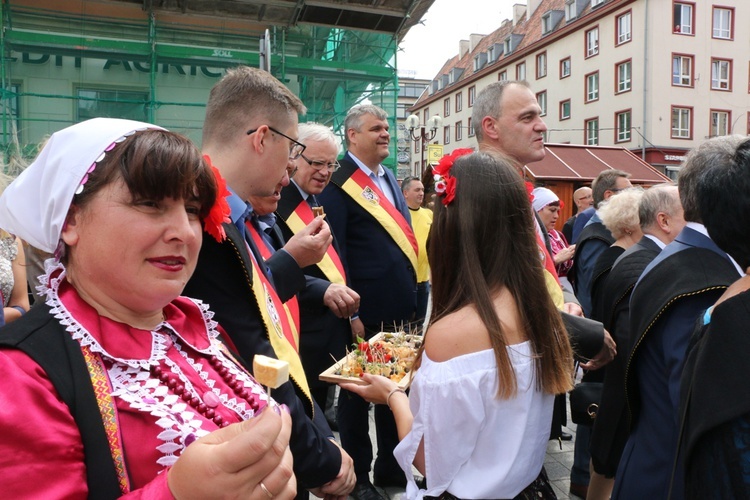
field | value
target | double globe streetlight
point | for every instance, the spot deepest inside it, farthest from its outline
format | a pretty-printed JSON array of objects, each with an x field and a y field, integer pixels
[{"x": 424, "y": 133}]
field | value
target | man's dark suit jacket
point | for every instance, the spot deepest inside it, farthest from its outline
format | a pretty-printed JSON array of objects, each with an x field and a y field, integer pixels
[
  {"x": 686, "y": 278},
  {"x": 223, "y": 279},
  {"x": 377, "y": 268},
  {"x": 323, "y": 336},
  {"x": 611, "y": 426}
]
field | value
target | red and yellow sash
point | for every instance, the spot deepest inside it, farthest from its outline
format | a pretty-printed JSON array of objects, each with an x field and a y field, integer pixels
[
  {"x": 282, "y": 332},
  {"x": 330, "y": 265},
  {"x": 550, "y": 273},
  {"x": 369, "y": 196},
  {"x": 292, "y": 305}
]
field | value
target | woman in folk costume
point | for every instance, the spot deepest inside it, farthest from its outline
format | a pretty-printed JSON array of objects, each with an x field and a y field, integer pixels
[
  {"x": 113, "y": 384},
  {"x": 548, "y": 206},
  {"x": 495, "y": 351}
]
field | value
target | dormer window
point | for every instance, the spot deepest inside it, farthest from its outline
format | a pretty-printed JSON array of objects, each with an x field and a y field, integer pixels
[
  {"x": 480, "y": 60},
  {"x": 570, "y": 10},
  {"x": 546, "y": 23}
]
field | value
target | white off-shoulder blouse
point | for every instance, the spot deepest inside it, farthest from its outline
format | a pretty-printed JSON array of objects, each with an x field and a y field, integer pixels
[{"x": 476, "y": 445}]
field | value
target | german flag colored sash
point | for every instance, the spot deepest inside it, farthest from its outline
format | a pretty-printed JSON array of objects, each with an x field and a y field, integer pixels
[
  {"x": 292, "y": 305},
  {"x": 369, "y": 196},
  {"x": 278, "y": 320},
  {"x": 331, "y": 265}
]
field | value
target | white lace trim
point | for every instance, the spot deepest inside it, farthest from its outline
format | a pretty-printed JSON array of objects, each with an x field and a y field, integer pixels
[{"x": 133, "y": 383}]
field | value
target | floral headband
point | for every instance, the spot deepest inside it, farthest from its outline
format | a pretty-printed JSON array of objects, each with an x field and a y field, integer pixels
[{"x": 445, "y": 183}]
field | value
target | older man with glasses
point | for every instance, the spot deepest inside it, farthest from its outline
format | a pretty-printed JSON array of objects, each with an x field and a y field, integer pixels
[{"x": 327, "y": 302}]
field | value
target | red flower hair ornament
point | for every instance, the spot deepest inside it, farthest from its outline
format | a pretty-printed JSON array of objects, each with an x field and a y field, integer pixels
[
  {"x": 445, "y": 183},
  {"x": 219, "y": 213}
]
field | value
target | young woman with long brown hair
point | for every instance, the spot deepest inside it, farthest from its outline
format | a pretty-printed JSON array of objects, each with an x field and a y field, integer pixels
[{"x": 495, "y": 352}]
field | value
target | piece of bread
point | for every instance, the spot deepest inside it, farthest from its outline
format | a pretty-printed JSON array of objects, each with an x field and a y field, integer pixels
[{"x": 270, "y": 372}]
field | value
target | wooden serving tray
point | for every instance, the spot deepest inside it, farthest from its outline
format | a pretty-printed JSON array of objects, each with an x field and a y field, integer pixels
[{"x": 331, "y": 376}]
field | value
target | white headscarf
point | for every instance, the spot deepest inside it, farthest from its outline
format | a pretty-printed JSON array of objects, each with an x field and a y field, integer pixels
[
  {"x": 35, "y": 205},
  {"x": 543, "y": 197}
]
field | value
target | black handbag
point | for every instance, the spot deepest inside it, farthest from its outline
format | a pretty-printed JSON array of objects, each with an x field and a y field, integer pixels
[{"x": 584, "y": 402}]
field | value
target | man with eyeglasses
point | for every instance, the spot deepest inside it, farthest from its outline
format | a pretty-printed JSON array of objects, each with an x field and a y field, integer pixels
[
  {"x": 249, "y": 134},
  {"x": 595, "y": 238},
  {"x": 327, "y": 302},
  {"x": 371, "y": 221}
]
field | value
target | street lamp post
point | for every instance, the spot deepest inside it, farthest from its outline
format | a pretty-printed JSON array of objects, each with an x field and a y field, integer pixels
[{"x": 422, "y": 134}]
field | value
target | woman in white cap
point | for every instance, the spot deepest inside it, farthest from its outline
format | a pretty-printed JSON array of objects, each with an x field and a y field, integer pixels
[
  {"x": 548, "y": 206},
  {"x": 113, "y": 384}
]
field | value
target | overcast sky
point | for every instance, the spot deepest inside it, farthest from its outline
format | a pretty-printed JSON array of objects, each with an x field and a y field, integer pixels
[{"x": 426, "y": 47}]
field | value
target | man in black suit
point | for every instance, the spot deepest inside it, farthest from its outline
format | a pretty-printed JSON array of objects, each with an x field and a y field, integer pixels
[
  {"x": 675, "y": 289},
  {"x": 326, "y": 303},
  {"x": 371, "y": 221},
  {"x": 249, "y": 133},
  {"x": 661, "y": 219}
]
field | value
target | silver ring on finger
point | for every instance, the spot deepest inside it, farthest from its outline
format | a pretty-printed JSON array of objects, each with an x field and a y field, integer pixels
[{"x": 265, "y": 490}]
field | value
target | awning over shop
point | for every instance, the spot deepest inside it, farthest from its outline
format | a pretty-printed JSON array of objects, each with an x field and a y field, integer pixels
[{"x": 581, "y": 164}]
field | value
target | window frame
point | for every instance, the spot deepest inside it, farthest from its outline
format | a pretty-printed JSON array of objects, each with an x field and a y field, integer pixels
[
  {"x": 713, "y": 111},
  {"x": 730, "y": 10},
  {"x": 588, "y": 50},
  {"x": 543, "y": 102},
  {"x": 586, "y": 137},
  {"x": 570, "y": 11},
  {"x": 541, "y": 69},
  {"x": 689, "y": 129},
  {"x": 446, "y": 107},
  {"x": 447, "y": 134},
  {"x": 679, "y": 31},
  {"x": 729, "y": 63},
  {"x": 618, "y": 65},
  {"x": 620, "y": 135},
  {"x": 618, "y": 35},
  {"x": 118, "y": 91},
  {"x": 570, "y": 67},
  {"x": 562, "y": 117},
  {"x": 470, "y": 127},
  {"x": 459, "y": 98},
  {"x": 502, "y": 76},
  {"x": 458, "y": 131},
  {"x": 547, "y": 23},
  {"x": 521, "y": 68},
  {"x": 586, "y": 90},
  {"x": 472, "y": 95},
  {"x": 691, "y": 77}
]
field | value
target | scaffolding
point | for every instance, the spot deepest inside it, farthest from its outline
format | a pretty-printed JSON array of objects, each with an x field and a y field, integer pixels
[{"x": 330, "y": 69}]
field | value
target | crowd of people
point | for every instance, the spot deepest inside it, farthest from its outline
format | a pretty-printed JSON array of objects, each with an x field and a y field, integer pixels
[{"x": 171, "y": 268}]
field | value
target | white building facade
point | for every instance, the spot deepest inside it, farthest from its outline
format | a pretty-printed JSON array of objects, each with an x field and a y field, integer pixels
[{"x": 657, "y": 77}]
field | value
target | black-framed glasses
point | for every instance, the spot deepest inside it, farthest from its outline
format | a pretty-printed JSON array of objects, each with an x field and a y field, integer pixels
[
  {"x": 296, "y": 148},
  {"x": 290, "y": 171},
  {"x": 319, "y": 165}
]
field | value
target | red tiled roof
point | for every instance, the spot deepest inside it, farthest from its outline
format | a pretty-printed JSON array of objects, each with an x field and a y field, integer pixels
[{"x": 570, "y": 162}]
